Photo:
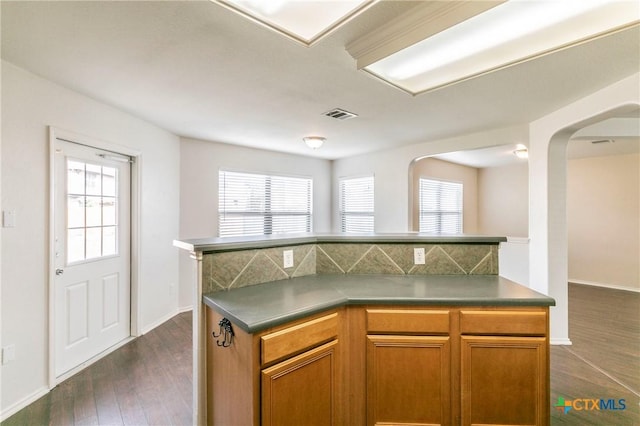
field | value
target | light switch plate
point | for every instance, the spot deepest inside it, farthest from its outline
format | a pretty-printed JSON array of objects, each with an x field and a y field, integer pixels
[
  {"x": 288, "y": 258},
  {"x": 9, "y": 219},
  {"x": 418, "y": 256},
  {"x": 8, "y": 354}
]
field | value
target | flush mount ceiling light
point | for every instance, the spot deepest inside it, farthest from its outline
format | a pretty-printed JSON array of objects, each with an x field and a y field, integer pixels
[
  {"x": 314, "y": 142},
  {"x": 303, "y": 21},
  {"x": 521, "y": 151},
  {"x": 441, "y": 43}
]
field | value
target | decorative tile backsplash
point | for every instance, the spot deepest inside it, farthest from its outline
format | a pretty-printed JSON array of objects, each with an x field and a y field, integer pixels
[
  {"x": 441, "y": 259},
  {"x": 223, "y": 271}
]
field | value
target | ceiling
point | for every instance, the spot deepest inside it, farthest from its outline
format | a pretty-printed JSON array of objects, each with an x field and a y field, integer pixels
[
  {"x": 202, "y": 71},
  {"x": 615, "y": 136}
]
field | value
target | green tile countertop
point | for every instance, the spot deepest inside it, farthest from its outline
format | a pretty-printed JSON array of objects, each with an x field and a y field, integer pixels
[{"x": 261, "y": 306}]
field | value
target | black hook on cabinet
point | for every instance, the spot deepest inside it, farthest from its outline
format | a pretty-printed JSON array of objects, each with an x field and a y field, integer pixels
[{"x": 226, "y": 332}]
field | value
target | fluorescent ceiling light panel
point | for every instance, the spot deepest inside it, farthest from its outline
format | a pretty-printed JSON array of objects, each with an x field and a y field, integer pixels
[
  {"x": 305, "y": 21},
  {"x": 513, "y": 32}
]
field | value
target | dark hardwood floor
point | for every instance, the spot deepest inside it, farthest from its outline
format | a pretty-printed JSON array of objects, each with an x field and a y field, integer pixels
[
  {"x": 603, "y": 361},
  {"x": 148, "y": 381}
]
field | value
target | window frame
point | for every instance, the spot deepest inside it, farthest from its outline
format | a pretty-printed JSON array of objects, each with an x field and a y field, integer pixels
[
  {"x": 344, "y": 215},
  {"x": 266, "y": 213},
  {"x": 440, "y": 212}
]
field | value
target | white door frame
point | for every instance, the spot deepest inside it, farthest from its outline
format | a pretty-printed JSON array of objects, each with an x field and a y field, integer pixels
[{"x": 136, "y": 167}]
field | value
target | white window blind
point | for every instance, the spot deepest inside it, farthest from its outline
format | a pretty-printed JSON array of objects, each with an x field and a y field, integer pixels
[
  {"x": 257, "y": 204},
  {"x": 356, "y": 204},
  {"x": 440, "y": 206}
]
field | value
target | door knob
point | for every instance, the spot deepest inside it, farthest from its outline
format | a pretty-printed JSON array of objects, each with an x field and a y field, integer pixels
[{"x": 59, "y": 271}]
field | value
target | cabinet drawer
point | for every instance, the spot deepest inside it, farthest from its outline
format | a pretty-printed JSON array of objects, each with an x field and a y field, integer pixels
[
  {"x": 503, "y": 322},
  {"x": 407, "y": 321},
  {"x": 295, "y": 339}
]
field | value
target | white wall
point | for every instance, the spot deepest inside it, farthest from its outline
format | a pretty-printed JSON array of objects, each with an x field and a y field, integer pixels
[
  {"x": 392, "y": 177},
  {"x": 604, "y": 221},
  {"x": 201, "y": 162},
  {"x": 29, "y": 105}
]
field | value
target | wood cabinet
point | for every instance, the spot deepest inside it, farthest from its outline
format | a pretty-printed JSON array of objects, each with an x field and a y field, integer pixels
[
  {"x": 408, "y": 371},
  {"x": 504, "y": 367},
  {"x": 301, "y": 390},
  {"x": 287, "y": 375},
  {"x": 408, "y": 379},
  {"x": 378, "y": 365},
  {"x": 503, "y": 381},
  {"x": 452, "y": 366}
]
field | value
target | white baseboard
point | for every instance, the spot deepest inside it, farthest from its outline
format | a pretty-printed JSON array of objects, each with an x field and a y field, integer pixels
[
  {"x": 160, "y": 321},
  {"x": 611, "y": 286},
  {"x": 185, "y": 309},
  {"x": 11, "y": 410},
  {"x": 166, "y": 318},
  {"x": 562, "y": 341},
  {"x": 93, "y": 360}
]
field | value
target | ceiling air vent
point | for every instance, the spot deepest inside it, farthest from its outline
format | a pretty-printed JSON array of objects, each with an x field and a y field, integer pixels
[{"x": 340, "y": 114}]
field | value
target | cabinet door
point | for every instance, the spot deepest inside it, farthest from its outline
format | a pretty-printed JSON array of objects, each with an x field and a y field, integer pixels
[
  {"x": 301, "y": 390},
  {"x": 408, "y": 380},
  {"x": 504, "y": 380}
]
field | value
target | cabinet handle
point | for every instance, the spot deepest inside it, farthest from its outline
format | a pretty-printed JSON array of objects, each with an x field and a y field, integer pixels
[{"x": 226, "y": 332}]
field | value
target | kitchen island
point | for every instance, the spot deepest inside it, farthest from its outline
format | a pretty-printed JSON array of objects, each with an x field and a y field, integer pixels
[{"x": 345, "y": 313}]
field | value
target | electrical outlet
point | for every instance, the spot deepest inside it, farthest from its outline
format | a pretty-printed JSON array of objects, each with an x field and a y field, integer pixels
[
  {"x": 288, "y": 258},
  {"x": 8, "y": 354},
  {"x": 418, "y": 256}
]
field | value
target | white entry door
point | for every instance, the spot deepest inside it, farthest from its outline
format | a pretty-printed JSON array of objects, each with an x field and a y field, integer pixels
[{"x": 92, "y": 252}]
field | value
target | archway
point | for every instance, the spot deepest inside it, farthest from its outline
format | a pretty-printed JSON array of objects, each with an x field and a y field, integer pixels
[{"x": 548, "y": 172}]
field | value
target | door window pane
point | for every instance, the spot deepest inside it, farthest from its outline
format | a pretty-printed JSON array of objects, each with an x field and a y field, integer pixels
[
  {"x": 108, "y": 211},
  {"x": 93, "y": 209},
  {"x": 75, "y": 245},
  {"x": 92, "y": 206},
  {"x": 93, "y": 242},
  {"x": 75, "y": 211},
  {"x": 109, "y": 181},
  {"x": 109, "y": 240},
  {"x": 75, "y": 177},
  {"x": 93, "y": 179}
]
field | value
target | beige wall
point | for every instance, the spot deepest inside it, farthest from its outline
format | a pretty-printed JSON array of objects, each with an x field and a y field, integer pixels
[
  {"x": 503, "y": 200},
  {"x": 438, "y": 169},
  {"x": 604, "y": 220},
  {"x": 603, "y": 215}
]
